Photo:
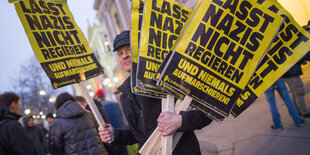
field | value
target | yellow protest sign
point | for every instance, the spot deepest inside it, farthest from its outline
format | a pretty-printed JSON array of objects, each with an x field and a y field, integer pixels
[
  {"x": 163, "y": 21},
  {"x": 164, "y": 62},
  {"x": 10, "y": 1},
  {"x": 136, "y": 21},
  {"x": 136, "y": 17},
  {"x": 57, "y": 41},
  {"x": 219, "y": 51},
  {"x": 290, "y": 45},
  {"x": 208, "y": 111}
]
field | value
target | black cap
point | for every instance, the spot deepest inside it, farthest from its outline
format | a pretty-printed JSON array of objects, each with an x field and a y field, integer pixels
[{"x": 121, "y": 39}]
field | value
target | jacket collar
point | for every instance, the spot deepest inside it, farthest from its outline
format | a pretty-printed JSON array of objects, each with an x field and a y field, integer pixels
[
  {"x": 125, "y": 85},
  {"x": 125, "y": 88},
  {"x": 6, "y": 114},
  {"x": 70, "y": 109}
]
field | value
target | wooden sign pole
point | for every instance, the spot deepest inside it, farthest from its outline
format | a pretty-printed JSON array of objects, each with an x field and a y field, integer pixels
[
  {"x": 91, "y": 103},
  {"x": 152, "y": 144},
  {"x": 167, "y": 105}
]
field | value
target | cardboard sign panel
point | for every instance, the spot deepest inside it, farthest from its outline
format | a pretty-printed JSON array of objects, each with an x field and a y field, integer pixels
[
  {"x": 219, "y": 51},
  {"x": 290, "y": 45},
  {"x": 136, "y": 17},
  {"x": 209, "y": 112},
  {"x": 163, "y": 21},
  {"x": 166, "y": 87},
  {"x": 164, "y": 62},
  {"x": 57, "y": 41}
]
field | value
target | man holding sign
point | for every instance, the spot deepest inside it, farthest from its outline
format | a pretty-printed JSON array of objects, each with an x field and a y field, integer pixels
[{"x": 144, "y": 113}]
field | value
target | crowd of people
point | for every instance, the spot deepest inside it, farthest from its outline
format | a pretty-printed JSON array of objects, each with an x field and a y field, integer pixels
[{"x": 74, "y": 129}]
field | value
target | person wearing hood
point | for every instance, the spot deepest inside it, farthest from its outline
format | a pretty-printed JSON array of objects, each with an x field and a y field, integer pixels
[
  {"x": 50, "y": 120},
  {"x": 13, "y": 138},
  {"x": 74, "y": 130},
  {"x": 36, "y": 134}
]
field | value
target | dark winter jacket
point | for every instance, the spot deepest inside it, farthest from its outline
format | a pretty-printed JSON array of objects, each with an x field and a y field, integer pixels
[
  {"x": 114, "y": 113},
  {"x": 142, "y": 113},
  {"x": 115, "y": 117},
  {"x": 13, "y": 138},
  {"x": 74, "y": 131},
  {"x": 112, "y": 149},
  {"x": 295, "y": 71},
  {"x": 35, "y": 133}
]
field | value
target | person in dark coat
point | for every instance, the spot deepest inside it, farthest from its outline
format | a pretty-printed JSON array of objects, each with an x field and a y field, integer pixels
[
  {"x": 13, "y": 138},
  {"x": 74, "y": 130},
  {"x": 112, "y": 149},
  {"x": 36, "y": 135},
  {"x": 293, "y": 80},
  {"x": 50, "y": 120},
  {"x": 144, "y": 113},
  {"x": 115, "y": 115}
]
